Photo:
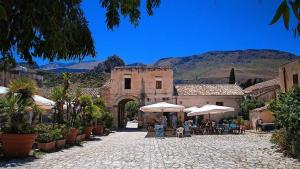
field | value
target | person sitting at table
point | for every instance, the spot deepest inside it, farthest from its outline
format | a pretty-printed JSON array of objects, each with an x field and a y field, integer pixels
[
  {"x": 258, "y": 124},
  {"x": 187, "y": 131}
]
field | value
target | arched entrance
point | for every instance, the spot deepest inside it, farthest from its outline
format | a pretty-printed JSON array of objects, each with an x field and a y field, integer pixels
[{"x": 121, "y": 113}]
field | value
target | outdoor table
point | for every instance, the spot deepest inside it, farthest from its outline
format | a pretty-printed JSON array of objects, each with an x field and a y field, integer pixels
[{"x": 267, "y": 126}]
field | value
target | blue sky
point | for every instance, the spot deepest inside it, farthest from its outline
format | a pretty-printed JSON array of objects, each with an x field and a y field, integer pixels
[{"x": 182, "y": 28}]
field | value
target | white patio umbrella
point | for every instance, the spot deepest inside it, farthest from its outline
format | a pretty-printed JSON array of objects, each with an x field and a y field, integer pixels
[
  {"x": 43, "y": 102},
  {"x": 190, "y": 109},
  {"x": 210, "y": 109},
  {"x": 3, "y": 90},
  {"x": 162, "y": 107}
]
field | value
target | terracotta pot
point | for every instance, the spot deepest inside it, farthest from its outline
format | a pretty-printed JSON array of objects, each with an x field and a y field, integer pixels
[
  {"x": 17, "y": 145},
  {"x": 82, "y": 137},
  {"x": 72, "y": 136},
  {"x": 60, "y": 143},
  {"x": 88, "y": 132},
  {"x": 47, "y": 146},
  {"x": 98, "y": 130},
  {"x": 78, "y": 138}
]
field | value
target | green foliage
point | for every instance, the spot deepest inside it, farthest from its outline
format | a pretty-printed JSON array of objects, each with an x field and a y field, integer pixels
[
  {"x": 284, "y": 10},
  {"x": 86, "y": 100},
  {"x": 46, "y": 133},
  {"x": 100, "y": 103},
  {"x": 250, "y": 104},
  {"x": 3, "y": 15},
  {"x": 239, "y": 120},
  {"x": 125, "y": 8},
  {"x": 93, "y": 112},
  {"x": 51, "y": 30},
  {"x": 14, "y": 109},
  {"x": 286, "y": 111},
  {"x": 110, "y": 63},
  {"x": 25, "y": 86},
  {"x": 250, "y": 82},
  {"x": 108, "y": 119},
  {"x": 232, "y": 76},
  {"x": 132, "y": 108}
]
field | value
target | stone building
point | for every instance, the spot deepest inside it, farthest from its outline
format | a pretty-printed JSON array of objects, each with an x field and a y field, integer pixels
[
  {"x": 289, "y": 75},
  {"x": 264, "y": 91},
  {"x": 17, "y": 72},
  {"x": 148, "y": 85}
]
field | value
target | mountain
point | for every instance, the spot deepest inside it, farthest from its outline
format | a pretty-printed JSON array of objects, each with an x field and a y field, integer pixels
[
  {"x": 214, "y": 67},
  {"x": 70, "y": 67},
  {"x": 136, "y": 64}
]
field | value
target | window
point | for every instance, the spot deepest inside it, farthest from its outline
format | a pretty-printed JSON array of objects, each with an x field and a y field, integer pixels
[
  {"x": 127, "y": 83},
  {"x": 295, "y": 79},
  {"x": 148, "y": 99},
  {"x": 220, "y": 103},
  {"x": 158, "y": 84}
]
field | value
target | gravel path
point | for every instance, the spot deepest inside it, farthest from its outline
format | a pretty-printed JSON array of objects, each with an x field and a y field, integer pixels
[{"x": 133, "y": 150}]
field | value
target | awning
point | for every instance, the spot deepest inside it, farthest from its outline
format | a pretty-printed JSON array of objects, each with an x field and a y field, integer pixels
[
  {"x": 43, "y": 102},
  {"x": 3, "y": 90},
  {"x": 162, "y": 107},
  {"x": 210, "y": 109},
  {"x": 190, "y": 109}
]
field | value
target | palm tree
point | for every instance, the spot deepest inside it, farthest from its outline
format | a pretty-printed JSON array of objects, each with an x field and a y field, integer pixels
[
  {"x": 24, "y": 86},
  {"x": 58, "y": 95},
  {"x": 14, "y": 109}
]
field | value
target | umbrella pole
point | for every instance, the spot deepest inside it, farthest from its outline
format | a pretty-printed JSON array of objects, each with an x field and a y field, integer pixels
[{"x": 209, "y": 116}]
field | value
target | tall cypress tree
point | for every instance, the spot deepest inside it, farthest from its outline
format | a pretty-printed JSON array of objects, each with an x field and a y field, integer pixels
[{"x": 232, "y": 76}]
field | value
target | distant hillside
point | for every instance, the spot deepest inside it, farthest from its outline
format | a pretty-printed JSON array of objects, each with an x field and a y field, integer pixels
[
  {"x": 70, "y": 67},
  {"x": 214, "y": 67}
]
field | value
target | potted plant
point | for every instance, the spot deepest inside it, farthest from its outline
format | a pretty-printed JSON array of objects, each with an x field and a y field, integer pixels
[
  {"x": 20, "y": 111},
  {"x": 99, "y": 124},
  {"x": 61, "y": 140},
  {"x": 47, "y": 136}
]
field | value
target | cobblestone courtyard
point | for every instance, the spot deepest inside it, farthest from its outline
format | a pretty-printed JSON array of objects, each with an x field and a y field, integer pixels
[{"x": 133, "y": 150}]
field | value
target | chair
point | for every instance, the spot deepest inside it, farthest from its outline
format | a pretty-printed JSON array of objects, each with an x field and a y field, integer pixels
[
  {"x": 179, "y": 131},
  {"x": 159, "y": 131}
]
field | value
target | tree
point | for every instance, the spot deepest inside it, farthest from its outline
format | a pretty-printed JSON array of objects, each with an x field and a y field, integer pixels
[
  {"x": 55, "y": 29},
  {"x": 132, "y": 108},
  {"x": 5, "y": 65},
  {"x": 283, "y": 11},
  {"x": 129, "y": 8},
  {"x": 250, "y": 104},
  {"x": 232, "y": 76},
  {"x": 286, "y": 111}
]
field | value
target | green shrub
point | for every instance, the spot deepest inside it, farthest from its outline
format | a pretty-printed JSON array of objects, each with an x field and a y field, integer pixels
[
  {"x": 250, "y": 104},
  {"x": 286, "y": 111},
  {"x": 279, "y": 137},
  {"x": 46, "y": 133},
  {"x": 132, "y": 108},
  {"x": 108, "y": 119}
]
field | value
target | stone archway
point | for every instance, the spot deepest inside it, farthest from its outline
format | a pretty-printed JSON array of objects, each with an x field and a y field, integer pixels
[{"x": 121, "y": 113}]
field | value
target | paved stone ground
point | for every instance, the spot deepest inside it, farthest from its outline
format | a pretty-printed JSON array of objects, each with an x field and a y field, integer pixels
[{"x": 133, "y": 150}]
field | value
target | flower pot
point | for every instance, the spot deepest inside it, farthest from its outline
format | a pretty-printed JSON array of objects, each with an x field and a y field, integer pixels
[
  {"x": 82, "y": 137},
  {"x": 72, "y": 136},
  {"x": 60, "y": 143},
  {"x": 17, "y": 145},
  {"x": 47, "y": 146},
  {"x": 78, "y": 138},
  {"x": 88, "y": 132},
  {"x": 98, "y": 130}
]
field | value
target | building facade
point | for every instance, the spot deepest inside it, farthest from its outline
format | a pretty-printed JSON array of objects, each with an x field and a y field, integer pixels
[
  {"x": 17, "y": 72},
  {"x": 289, "y": 75},
  {"x": 148, "y": 85},
  {"x": 264, "y": 91}
]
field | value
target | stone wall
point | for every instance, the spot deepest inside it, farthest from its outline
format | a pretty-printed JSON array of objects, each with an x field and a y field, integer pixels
[
  {"x": 143, "y": 87},
  {"x": 289, "y": 69}
]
